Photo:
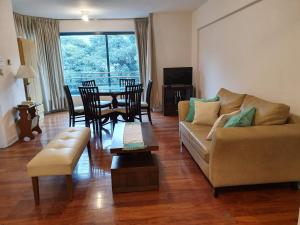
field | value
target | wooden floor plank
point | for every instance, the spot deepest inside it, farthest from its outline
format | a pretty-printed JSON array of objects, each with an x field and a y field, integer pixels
[{"x": 184, "y": 196}]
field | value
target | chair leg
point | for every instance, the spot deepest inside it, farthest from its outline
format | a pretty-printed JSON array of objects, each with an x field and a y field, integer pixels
[
  {"x": 70, "y": 120},
  {"x": 149, "y": 114},
  {"x": 69, "y": 182},
  {"x": 89, "y": 150},
  {"x": 73, "y": 121},
  {"x": 36, "y": 192}
]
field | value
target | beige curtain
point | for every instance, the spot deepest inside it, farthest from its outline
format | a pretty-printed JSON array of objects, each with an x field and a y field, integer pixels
[
  {"x": 146, "y": 51},
  {"x": 45, "y": 33}
]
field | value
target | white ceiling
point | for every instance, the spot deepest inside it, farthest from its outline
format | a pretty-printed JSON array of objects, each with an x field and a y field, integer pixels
[{"x": 101, "y": 9}]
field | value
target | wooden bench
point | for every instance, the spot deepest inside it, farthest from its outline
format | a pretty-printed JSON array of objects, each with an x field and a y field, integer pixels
[{"x": 59, "y": 157}]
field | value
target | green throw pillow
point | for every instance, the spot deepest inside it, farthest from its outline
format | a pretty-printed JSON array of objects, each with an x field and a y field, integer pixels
[
  {"x": 191, "y": 113},
  {"x": 243, "y": 119}
]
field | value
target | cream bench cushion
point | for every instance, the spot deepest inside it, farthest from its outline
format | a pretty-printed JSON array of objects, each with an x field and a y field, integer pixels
[{"x": 60, "y": 156}]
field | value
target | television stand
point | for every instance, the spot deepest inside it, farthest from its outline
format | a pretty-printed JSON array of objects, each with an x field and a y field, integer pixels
[{"x": 172, "y": 94}]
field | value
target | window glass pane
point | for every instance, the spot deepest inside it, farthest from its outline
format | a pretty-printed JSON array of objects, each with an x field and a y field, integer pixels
[
  {"x": 85, "y": 58},
  {"x": 123, "y": 58}
]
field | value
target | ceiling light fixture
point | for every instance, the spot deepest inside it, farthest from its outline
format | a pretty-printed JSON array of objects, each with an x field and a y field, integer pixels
[{"x": 85, "y": 16}]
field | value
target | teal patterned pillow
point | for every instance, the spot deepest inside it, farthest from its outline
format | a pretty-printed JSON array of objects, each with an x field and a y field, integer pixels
[
  {"x": 243, "y": 119},
  {"x": 191, "y": 113}
]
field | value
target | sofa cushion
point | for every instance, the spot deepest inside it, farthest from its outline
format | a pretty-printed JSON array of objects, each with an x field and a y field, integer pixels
[
  {"x": 230, "y": 101},
  {"x": 220, "y": 122},
  {"x": 243, "y": 119},
  {"x": 267, "y": 113},
  {"x": 198, "y": 140},
  {"x": 206, "y": 113},
  {"x": 191, "y": 113}
]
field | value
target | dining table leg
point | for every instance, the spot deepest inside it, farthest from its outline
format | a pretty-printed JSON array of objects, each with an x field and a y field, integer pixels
[{"x": 114, "y": 101}]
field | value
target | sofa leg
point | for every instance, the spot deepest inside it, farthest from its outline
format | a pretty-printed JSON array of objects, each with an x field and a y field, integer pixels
[
  {"x": 36, "y": 192},
  {"x": 69, "y": 186},
  {"x": 215, "y": 192}
]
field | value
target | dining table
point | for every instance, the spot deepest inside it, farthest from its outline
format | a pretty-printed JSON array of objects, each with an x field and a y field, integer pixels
[{"x": 114, "y": 92}]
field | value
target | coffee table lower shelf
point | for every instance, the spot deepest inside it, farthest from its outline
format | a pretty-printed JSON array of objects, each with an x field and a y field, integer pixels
[{"x": 134, "y": 172}]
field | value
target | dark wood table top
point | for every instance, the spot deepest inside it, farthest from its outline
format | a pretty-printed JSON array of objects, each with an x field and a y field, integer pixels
[
  {"x": 112, "y": 91},
  {"x": 148, "y": 137}
]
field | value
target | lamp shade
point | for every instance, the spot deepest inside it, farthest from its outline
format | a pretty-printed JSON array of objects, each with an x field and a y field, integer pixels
[{"x": 25, "y": 71}]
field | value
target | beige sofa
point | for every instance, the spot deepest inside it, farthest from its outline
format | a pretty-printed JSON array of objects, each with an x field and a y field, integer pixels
[{"x": 245, "y": 155}]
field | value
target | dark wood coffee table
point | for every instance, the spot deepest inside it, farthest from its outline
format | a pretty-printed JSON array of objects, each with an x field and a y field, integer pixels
[{"x": 134, "y": 170}]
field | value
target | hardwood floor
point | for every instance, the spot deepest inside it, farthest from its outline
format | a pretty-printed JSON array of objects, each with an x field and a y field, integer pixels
[{"x": 184, "y": 197}]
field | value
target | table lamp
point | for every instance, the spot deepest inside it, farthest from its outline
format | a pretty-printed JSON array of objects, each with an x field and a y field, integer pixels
[{"x": 25, "y": 72}]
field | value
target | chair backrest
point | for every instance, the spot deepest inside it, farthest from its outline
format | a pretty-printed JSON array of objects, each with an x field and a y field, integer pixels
[
  {"x": 148, "y": 92},
  {"x": 133, "y": 95},
  {"x": 91, "y": 101},
  {"x": 126, "y": 82},
  {"x": 69, "y": 100},
  {"x": 89, "y": 83}
]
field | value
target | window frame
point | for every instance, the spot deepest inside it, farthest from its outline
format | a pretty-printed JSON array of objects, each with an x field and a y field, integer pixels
[{"x": 106, "y": 42}]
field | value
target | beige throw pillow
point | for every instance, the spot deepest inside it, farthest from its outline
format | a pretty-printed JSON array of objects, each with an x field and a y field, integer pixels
[
  {"x": 206, "y": 113},
  {"x": 220, "y": 122}
]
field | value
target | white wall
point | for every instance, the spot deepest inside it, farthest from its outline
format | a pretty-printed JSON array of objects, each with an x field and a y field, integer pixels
[
  {"x": 11, "y": 90},
  {"x": 172, "y": 34},
  {"x": 256, "y": 50},
  {"x": 96, "y": 26}
]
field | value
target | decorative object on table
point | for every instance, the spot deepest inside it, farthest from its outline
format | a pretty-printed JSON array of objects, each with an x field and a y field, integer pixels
[
  {"x": 29, "y": 121},
  {"x": 147, "y": 104},
  {"x": 133, "y": 137},
  {"x": 76, "y": 114},
  {"x": 25, "y": 72},
  {"x": 134, "y": 169}
]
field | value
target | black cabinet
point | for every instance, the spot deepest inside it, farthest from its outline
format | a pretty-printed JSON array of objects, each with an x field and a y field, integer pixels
[{"x": 172, "y": 94}]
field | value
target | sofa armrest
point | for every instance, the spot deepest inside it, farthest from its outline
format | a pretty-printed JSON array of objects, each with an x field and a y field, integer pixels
[
  {"x": 183, "y": 109},
  {"x": 254, "y": 155}
]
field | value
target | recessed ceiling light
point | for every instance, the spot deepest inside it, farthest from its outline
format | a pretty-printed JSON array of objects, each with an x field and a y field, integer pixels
[{"x": 85, "y": 16}]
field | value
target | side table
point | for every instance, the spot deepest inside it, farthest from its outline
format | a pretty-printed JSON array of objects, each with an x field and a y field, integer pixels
[{"x": 29, "y": 120}]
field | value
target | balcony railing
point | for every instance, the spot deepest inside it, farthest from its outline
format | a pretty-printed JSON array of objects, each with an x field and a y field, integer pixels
[{"x": 104, "y": 80}]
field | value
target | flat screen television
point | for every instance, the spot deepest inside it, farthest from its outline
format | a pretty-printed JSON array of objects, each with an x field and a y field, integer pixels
[{"x": 179, "y": 75}]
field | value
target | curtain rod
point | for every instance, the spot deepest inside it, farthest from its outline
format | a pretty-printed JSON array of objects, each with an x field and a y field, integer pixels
[{"x": 229, "y": 14}]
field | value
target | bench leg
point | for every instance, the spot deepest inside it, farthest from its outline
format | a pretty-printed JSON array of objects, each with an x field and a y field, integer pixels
[
  {"x": 36, "y": 192},
  {"x": 69, "y": 186}
]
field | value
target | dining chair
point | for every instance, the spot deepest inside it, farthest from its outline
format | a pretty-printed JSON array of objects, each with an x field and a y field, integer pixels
[
  {"x": 123, "y": 82},
  {"x": 132, "y": 109},
  {"x": 76, "y": 114},
  {"x": 89, "y": 83},
  {"x": 92, "y": 83},
  {"x": 145, "y": 106},
  {"x": 94, "y": 111}
]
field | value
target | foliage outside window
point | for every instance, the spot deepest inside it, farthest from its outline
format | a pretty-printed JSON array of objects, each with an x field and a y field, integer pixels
[{"x": 102, "y": 57}]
